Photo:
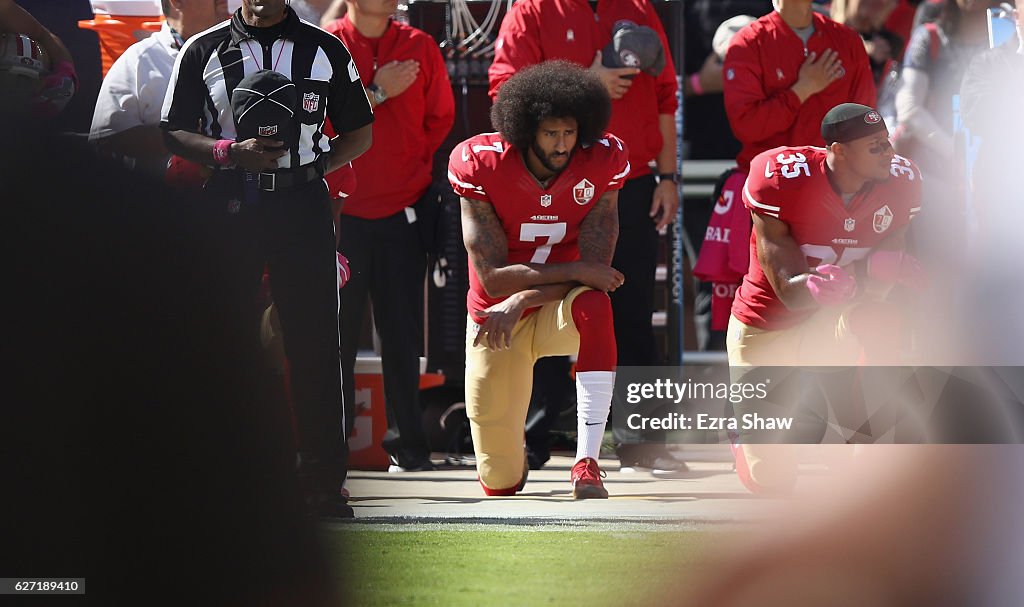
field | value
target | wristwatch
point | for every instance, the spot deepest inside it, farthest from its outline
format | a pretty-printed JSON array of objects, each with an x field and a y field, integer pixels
[
  {"x": 377, "y": 94},
  {"x": 673, "y": 177}
]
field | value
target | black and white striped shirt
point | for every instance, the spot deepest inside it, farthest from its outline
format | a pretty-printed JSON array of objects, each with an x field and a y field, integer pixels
[{"x": 212, "y": 63}]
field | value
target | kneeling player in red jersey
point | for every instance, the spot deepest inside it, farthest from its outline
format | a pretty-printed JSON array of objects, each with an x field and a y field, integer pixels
[
  {"x": 540, "y": 222},
  {"x": 828, "y": 243}
]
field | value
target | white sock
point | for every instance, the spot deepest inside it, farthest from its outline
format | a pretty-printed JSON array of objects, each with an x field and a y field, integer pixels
[{"x": 593, "y": 401}]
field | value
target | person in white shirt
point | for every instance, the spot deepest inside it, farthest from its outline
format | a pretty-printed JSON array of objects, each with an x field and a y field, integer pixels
[{"x": 127, "y": 116}]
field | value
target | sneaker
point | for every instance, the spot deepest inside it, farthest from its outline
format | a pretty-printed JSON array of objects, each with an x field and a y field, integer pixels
[
  {"x": 660, "y": 466},
  {"x": 423, "y": 465},
  {"x": 656, "y": 459},
  {"x": 586, "y": 480},
  {"x": 535, "y": 458}
]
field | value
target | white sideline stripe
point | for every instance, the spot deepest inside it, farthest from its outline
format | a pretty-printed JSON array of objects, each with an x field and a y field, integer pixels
[{"x": 757, "y": 204}]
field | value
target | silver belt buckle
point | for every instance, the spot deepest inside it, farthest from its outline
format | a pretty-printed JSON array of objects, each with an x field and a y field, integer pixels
[{"x": 273, "y": 182}]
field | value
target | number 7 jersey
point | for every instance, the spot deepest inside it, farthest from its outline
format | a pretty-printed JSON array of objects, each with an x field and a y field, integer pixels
[
  {"x": 792, "y": 185},
  {"x": 541, "y": 225}
]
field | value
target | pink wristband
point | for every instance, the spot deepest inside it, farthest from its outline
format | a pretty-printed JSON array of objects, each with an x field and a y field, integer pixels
[
  {"x": 222, "y": 152},
  {"x": 695, "y": 84}
]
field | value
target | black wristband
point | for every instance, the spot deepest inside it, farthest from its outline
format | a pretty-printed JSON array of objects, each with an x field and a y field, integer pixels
[{"x": 673, "y": 177}]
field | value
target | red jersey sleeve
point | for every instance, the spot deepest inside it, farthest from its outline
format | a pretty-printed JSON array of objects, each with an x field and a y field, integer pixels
[
  {"x": 464, "y": 173},
  {"x": 619, "y": 162},
  {"x": 761, "y": 190},
  {"x": 754, "y": 116},
  {"x": 517, "y": 47}
]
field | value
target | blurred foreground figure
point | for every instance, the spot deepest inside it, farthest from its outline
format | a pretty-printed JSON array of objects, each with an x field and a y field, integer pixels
[
  {"x": 891, "y": 533},
  {"x": 142, "y": 452},
  {"x": 990, "y": 101},
  {"x": 916, "y": 524}
]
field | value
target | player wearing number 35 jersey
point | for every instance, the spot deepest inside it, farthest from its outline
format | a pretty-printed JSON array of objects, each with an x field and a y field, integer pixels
[
  {"x": 827, "y": 245},
  {"x": 794, "y": 186},
  {"x": 540, "y": 223},
  {"x": 829, "y": 227}
]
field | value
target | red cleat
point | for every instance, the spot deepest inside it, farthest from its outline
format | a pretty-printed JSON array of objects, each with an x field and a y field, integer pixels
[{"x": 586, "y": 480}]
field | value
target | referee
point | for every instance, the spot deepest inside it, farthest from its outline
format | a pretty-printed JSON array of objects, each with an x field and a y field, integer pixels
[{"x": 268, "y": 200}]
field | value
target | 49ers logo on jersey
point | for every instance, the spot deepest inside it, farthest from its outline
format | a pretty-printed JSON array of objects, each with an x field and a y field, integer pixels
[
  {"x": 882, "y": 219},
  {"x": 583, "y": 191}
]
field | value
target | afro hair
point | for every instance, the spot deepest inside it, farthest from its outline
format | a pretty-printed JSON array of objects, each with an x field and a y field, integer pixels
[{"x": 553, "y": 89}]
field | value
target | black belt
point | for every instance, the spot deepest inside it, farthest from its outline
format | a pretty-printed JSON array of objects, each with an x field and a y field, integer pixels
[{"x": 287, "y": 178}]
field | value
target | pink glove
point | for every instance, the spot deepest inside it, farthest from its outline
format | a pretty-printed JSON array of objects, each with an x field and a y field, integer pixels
[
  {"x": 56, "y": 90},
  {"x": 834, "y": 288},
  {"x": 897, "y": 266},
  {"x": 343, "y": 270}
]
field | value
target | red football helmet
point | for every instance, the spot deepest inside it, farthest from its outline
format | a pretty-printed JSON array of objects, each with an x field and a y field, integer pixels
[
  {"x": 23, "y": 65},
  {"x": 22, "y": 55}
]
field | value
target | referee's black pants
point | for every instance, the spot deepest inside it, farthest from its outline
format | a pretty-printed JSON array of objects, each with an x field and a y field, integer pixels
[
  {"x": 636, "y": 256},
  {"x": 291, "y": 232},
  {"x": 388, "y": 265}
]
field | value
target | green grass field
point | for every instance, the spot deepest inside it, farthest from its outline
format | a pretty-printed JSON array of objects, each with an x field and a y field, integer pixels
[{"x": 479, "y": 566}]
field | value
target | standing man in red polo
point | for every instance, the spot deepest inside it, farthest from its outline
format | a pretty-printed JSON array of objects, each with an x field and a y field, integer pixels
[
  {"x": 782, "y": 74},
  {"x": 406, "y": 81},
  {"x": 643, "y": 116}
]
